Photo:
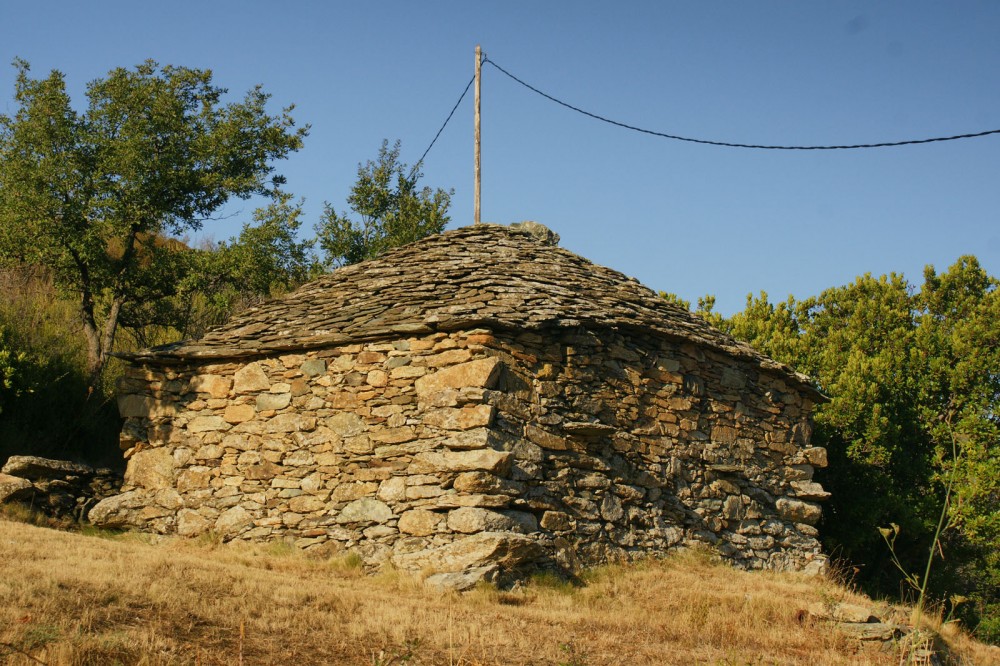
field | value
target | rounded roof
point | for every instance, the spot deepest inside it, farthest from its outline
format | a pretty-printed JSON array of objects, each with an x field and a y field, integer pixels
[{"x": 486, "y": 275}]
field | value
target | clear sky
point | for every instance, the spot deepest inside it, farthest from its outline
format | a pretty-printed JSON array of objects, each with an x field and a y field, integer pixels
[{"x": 679, "y": 217}]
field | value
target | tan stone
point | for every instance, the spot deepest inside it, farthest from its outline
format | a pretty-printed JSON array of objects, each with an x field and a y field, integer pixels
[
  {"x": 238, "y": 413},
  {"x": 144, "y": 406},
  {"x": 450, "y": 357},
  {"x": 377, "y": 378},
  {"x": 213, "y": 385},
  {"x": 251, "y": 378},
  {"x": 14, "y": 488},
  {"x": 393, "y": 435},
  {"x": 546, "y": 439},
  {"x": 556, "y": 521},
  {"x": 305, "y": 504},
  {"x": 475, "y": 519},
  {"x": 464, "y": 418},
  {"x": 478, "y": 373},
  {"x": 346, "y": 424},
  {"x": 365, "y": 510},
  {"x": 151, "y": 469},
  {"x": 273, "y": 401},
  {"x": 505, "y": 550},
  {"x": 419, "y": 522},
  {"x": 194, "y": 478},
  {"x": 208, "y": 423},
  {"x": 291, "y": 423},
  {"x": 191, "y": 523},
  {"x": 798, "y": 511},
  {"x": 816, "y": 455},
  {"x": 346, "y": 492},
  {"x": 393, "y": 489},
  {"x": 233, "y": 521},
  {"x": 498, "y": 462}
]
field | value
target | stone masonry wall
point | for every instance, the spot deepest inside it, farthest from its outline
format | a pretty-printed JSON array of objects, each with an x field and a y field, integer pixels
[{"x": 477, "y": 452}]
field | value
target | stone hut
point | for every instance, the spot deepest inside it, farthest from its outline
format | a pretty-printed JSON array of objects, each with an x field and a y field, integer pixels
[{"x": 474, "y": 403}]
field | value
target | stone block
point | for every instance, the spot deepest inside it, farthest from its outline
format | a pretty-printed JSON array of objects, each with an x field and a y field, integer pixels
[
  {"x": 480, "y": 373},
  {"x": 233, "y": 521},
  {"x": 13, "y": 488},
  {"x": 798, "y": 511},
  {"x": 419, "y": 522},
  {"x": 214, "y": 385},
  {"x": 497, "y": 462},
  {"x": 313, "y": 367},
  {"x": 151, "y": 469},
  {"x": 250, "y": 378},
  {"x": 365, "y": 510},
  {"x": 208, "y": 424},
  {"x": 463, "y": 418},
  {"x": 504, "y": 550},
  {"x": 273, "y": 401},
  {"x": 238, "y": 413}
]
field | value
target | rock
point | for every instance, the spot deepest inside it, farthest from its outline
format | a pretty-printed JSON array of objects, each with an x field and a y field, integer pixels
[
  {"x": 798, "y": 512},
  {"x": 556, "y": 521},
  {"x": 473, "y": 519},
  {"x": 238, "y": 413},
  {"x": 208, "y": 423},
  {"x": 313, "y": 367},
  {"x": 250, "y": 378},
  {"x": 478, "y": 373},
  {"x": 538, "y": 231},
  {"x": 497, "y": 462},
  {"x": 504, "y": 550},
  {"x": 191, "y": 523},
  {"x": 419, "y": 522},
  {"x": 233, "y": 521},
  {"x": 151, "y": 469},
  {"x": 463, "y": 580},
  {"x": 464, "y": 418},
  {"x": 214, "y": 385},
  {"x": 809, "y": 490},
  {"x": 842, "y": 612},
  {"x": 13, "y": 488},
  {"x": 118, "y": 511},
  {"x": 816, "y": 455},
  {"x": 346, "y": 424},
  {"x": 32, "y": 467},
  {"x": 365, "y": 510},
  {"x": 273, "y": 401}
]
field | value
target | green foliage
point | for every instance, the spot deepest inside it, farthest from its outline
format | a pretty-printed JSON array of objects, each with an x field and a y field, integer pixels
[
  {"x": 906, "y": 370},
  {"x": 265, "y": 260},
  {"x": 390, "y": 208},
  {"x": 92, "y": 194},
  {"x": 49, "y": 411}
]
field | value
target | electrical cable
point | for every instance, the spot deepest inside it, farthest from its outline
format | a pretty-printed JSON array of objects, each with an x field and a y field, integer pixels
[
  {"x": 887, "y": 144},
  {"x": 453, "y": 109}
]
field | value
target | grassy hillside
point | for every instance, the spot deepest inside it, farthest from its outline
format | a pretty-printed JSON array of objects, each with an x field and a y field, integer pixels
[{"x": 71, "y": 598}]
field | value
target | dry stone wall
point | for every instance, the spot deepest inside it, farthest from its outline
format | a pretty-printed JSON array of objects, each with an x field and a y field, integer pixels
[{"x": 478, "y": 452}]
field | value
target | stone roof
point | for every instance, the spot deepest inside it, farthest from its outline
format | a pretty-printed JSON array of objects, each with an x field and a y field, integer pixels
[{"x": 487, "y": 275}]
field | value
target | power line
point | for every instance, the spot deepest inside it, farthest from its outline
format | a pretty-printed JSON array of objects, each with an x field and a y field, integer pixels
[
  {"x": 727, "y": 144},
  {"x": 434, "y": 140}
]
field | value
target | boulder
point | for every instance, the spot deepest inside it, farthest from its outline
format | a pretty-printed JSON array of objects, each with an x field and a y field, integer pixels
[
  {"x": 13, "y": 488},
  {"x": 505, "y": 550},
  {"x": 34, "y": 468}
]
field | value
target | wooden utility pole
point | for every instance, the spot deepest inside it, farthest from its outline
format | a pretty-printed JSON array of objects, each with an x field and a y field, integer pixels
[{"x": 478, "y": 175}]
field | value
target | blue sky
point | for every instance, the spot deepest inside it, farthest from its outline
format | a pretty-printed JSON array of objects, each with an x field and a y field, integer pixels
[{"x": 679, "y": 217}]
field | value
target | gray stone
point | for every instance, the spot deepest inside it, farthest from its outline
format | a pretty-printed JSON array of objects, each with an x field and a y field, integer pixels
[
  {"x": 13, "y": 488},
  {"x": 501, "y": 549},
  {"x": 365, "y": 510},
  {"x": 313, "y": 367},
  {"x": 32, "y": 467},
  {"x": 463, "y": 580},
  {"x": 233, "y": 521},
  {"x": 273, "y": 401},
  {"x": 151, "y": 469},
  {"x": 251, "y": 378}
]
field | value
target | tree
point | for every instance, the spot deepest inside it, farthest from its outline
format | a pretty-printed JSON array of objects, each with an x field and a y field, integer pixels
[
  {"x": 264, "y": 260},
  {"x": 914, "y": 381},
  {"x": 93, "y": 194},
  {"x": 391, "y": 209}
]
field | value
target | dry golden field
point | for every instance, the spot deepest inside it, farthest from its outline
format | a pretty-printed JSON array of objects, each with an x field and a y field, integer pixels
[{"x": 71, "y": 598}]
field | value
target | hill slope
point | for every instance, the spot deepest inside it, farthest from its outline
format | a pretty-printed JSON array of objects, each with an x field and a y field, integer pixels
[{"x": 69, "y": 598}]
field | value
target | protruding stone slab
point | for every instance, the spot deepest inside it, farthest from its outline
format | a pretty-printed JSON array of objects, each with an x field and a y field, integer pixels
[
  {"x": 488, "y": 460},
  {"x": 33, "y": 467},
  {"x": 478, "y": 373},
  {"x": 501, "y": 549},
  {"x": 798, "y": 511},
  {"x": 365, "y": 510},
  {"x": 13, "y": 488}
]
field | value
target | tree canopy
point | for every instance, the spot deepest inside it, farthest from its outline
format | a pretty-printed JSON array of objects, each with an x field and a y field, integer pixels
[
  {"x": 390, "y": 211},
  {"x": 92, "y": 194},
  {"x": 914, "y": 381}
]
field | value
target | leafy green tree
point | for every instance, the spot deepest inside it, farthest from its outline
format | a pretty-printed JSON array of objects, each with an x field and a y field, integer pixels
[
  {"x": 391, "y": 211},
  {"x": 914, "y": 382},
  {"x": 266, "y": 259},
  {"x": 92, "y": 194}
]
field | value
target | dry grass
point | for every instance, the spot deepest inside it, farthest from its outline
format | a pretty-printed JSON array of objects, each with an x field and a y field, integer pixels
[{"x": 78, "y": 599}]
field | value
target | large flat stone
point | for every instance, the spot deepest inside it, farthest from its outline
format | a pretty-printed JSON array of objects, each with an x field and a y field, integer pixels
[
  {"x": 480, "y": 373},
  {"x": 501, "y": 549},
  {"x": 488, "y": 460},
  {"x": 151, "y": 469},
  {"x": 33, "y": 467}
]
